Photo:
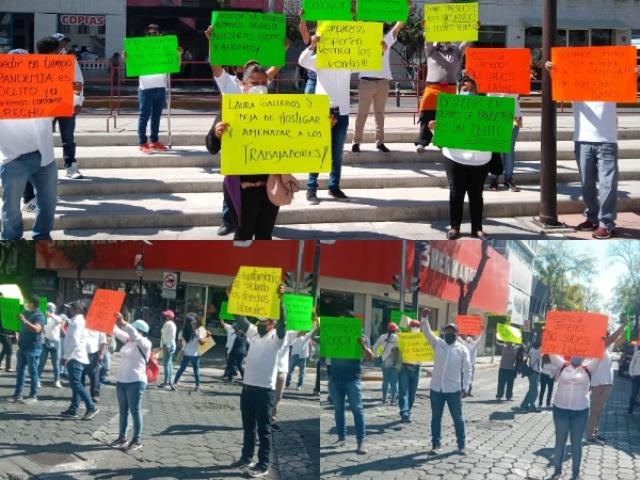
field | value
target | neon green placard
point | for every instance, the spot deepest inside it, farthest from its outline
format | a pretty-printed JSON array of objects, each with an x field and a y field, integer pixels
[
  {"x": 151, "y": 55},
  {"x": 9, "y": 310},
  {"x": 382, "y": 10},
  {"x": 299, "y": 310},
  {"x": 315, "y": 10},
  {"x": 339, "y": 337},
  {"x": 509, "y": 333}
]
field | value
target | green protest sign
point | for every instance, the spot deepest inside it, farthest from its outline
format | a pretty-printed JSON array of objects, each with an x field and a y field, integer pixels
[
  {"x": 509, "y": 333},
  {"x": 224, "y": 313},
  {"x": 628, "y": 331},
  {"x": 9, "y": 310},
  {"x": 470, "y": 122},
  {"x": 151, "y": 55},
  {"x": 42, "y": 306},
  {"x": 238, "y": 37},
  {"x": 299, "y": 309},
  {"x": 382, "y": 10},
  {"x": 315, "y": 10},
  {"x": 339, "y": 337}
]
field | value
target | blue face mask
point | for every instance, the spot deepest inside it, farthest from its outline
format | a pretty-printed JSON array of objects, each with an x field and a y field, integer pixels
[{"x": 576, "y": 361}]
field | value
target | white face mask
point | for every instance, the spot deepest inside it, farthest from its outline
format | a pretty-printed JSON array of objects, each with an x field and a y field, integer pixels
[
  {"x": 415, "y": 330},
  {"x": 258, "y": 89},
  {"x": 466, "y": 93}
]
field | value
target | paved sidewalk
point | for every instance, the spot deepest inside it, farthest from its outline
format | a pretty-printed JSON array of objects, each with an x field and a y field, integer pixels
[
  {"x": 501, "y": 444},
  {"x": 186, "y": 435}
]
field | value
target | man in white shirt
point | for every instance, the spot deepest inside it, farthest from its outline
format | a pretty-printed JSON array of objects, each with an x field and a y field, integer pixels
[
  {"x": 52, "y": 343},
  {"x": 374, "y": 88},
  {"x": 75, "y": 358},
  {"x": 336, "y": 84},
  {"x": 96, "y": 346},
  {"x": 449, "y": 382},
  {"x": 26, "y": 155},
  {"x": 300, "y": 354}
]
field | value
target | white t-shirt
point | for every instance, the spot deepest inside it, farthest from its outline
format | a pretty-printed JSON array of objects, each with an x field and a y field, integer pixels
[
  {"x": 300, "y": 345},
  {"x": 262, "y": 360},
  {"x": 168, "y": 334},
  {"x": 153, "y": 81},
  {"x": 335, "y": 83},
  {"x": 77, "y": 78},
  {"x": 572, "y": 392},
  {"x": 21, "y": 136},
  {"x": 467, "y": 157},
  {"x": 518, "y": 112},
  {"x": 603, "y": 374},
  {"x": 52, "y": 328},
  {"x": 134, "y": 355},
  {"x": 228, "y": 83},
  {"x": 191, "y": 348},
  {"x": 75, "y": 346},
  {"x": 595, "y": 122},
  {"x": 283, "y": 354},
  {"x": 385, "y": 73},
  {"x": 231, "y": 337},
  {"x": 94, "y": 340}
]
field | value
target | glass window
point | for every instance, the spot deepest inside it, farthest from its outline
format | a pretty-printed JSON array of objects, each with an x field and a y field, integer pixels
[
  {"x": 562, "y": 38},
  {"x": 195, "y": 301},
  {"x": 578, "y": 38},
  {"x": 215, "y": 297},
  {"x": 492, "y": 37},
  {"x": 533, "y": 38},
  {"x": 335, "y": 304},
  {"x": 601, "y": 37},
  {"x": 5, "y": 32}
]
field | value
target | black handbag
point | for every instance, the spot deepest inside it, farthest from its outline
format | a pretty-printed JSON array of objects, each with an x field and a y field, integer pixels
[{"x": 495, "y": 164}]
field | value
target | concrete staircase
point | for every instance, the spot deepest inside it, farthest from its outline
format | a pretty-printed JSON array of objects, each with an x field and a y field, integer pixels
[{"x": 124, "y": 191}]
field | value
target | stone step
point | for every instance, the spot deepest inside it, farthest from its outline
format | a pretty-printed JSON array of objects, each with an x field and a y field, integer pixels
[
  {"x": 197, "y": 156},
  {"x": 116, "y": 181},
  {"x": 158, "y": 211}
]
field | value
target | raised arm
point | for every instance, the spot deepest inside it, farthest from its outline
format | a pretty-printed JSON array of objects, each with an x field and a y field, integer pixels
[
  {"x": 217, "y": 69},
  {"x": 302, "y": 27},
  {"x": 426, "y": 328},
  {"x": 281, "y": 324}
]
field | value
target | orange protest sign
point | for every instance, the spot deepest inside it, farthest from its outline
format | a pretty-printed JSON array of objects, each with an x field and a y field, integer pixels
[
  {"x": 600, "y": 74},
  {"x": 577, "y": 334},
  {"x": 104, "y": 306},
  {"x": 36, "y": 86},
  {"x": 500, "y": 70},
  {"x": 469, "y": 324}
]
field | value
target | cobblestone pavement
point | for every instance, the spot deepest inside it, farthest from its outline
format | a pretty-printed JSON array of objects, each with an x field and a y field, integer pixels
[
  {"x": 186, "y": 434},
  {"x": 501, "y": 444}
]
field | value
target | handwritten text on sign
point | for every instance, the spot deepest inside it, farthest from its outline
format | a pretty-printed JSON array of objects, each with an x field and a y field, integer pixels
[
  {"x": 299, "y": 309},
  {"x": 315, "y": 10},
  {"x": 469, "y": 324},
  {"x": 501, "y": 70},
  {"x": 254, "y": 292},
  {"x": 339, "y": 337},
  {"x": 508, "y": 333},
  {"x": 474, "y": 123},
  {"x": 151, "y": 55},
  {"x": 9, "y": 310},
  {"x": 276, "y": 134},
  {"x": 604, "y": 74},
  {"x": 414, "y": 348},
  {"x": 36, "y": 86},
  {"x": 104, "y": 306},
  {"x": 451, "y": 22},
  {"x": 238, "y": 37},
  {"x": 575, "y": 334},
  {"x": 353, "y": 46},
  {"x": 382, "y": 10}
]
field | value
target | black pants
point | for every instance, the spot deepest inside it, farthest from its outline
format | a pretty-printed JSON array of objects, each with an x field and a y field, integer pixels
[
  {"x": 463, "y": 180},
  {"x": 7, "y": 350},
  {"x": 28, "y": 194},
  {"x": 505, "y": 378},
  {"x": 258, "y": 214},
  {"x": 93, "y": 371},
  {"x": 255, "y": 405},
  {"x": 425, "y": 136},
  {"x": 67, "y": 126},
  {"x": 234, "y": 364},
  {"x": 545, "y": 381},
  {"x": 635, "y": 389}
]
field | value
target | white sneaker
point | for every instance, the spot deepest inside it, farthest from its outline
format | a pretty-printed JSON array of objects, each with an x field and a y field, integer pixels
[
  {"x": 420, "y": 149},
  {"x": 57, "y": 384},
  {"x": 39, "y": 384},
  {"x": 73, "y": 172},
  {"x": 30, "y": 206}
]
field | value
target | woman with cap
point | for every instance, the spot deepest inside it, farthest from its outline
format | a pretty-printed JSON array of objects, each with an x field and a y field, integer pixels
[
  {"x": 51, "y": 344},
  {"x": 168, "y": 345},
  {"x": 131, "y": 378},
  {"x": 191, "y": 336},
  {"x": 388, "y": 356}
]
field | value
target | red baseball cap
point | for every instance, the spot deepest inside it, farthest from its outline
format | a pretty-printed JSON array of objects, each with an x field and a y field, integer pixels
[{"x": 168, "y": 314}]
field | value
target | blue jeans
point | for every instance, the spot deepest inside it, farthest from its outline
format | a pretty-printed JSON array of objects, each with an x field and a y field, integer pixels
[
  {"x": 301, "y": 363},
  {"x": 454, "y": 401},
  {"x": 151, "y": 105},
  {"x": 569, "y": 423},
  {"x": 50, "y": 347},
  {"x": 407, "y": 387},
  {"x": 509, "y": 159},
  {"x": 338, "y": 137},
  {"x": 598, "y": 163},
  {"x": 167, "y": 363},
  {"x": 195, "y": 364},
  {"x": 67, "y": 126},
  {"x": 353, "y": 390},
  {"x": 14, "y": 176},
  {"x": 130, "y": 400},
  {"x": 390, "y": 379},
  {"x": 310, "y": 86},
  {"x": 79, "y": 392},
  {"x": 529, "y": 400},
  {"x": 27, "y": 359},
  {"x": 227, "y": 216}
]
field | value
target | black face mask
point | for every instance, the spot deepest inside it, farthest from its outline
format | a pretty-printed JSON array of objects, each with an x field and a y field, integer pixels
[
  {"x": 450, "y": 338},
  {"x": 536, "y": 345},
  {"x": 262, "y": 330}
]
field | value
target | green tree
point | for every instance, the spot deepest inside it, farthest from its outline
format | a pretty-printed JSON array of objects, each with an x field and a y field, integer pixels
[
  {"x": 410, "y": 43},
  {"x": 626, "y": 293},
  {"x": 79, "y": 253}
]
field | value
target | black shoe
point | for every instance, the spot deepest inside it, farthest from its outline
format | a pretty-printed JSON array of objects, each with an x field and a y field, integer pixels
[
  {"x": 119, "y": 443},
  {"x": 312, "y": 197},
  {"x": 90, "y": 414},
  {"x": 275, "y": 427},
  {"x": 95, "y": 399},
  {"x": 338, "y": 194},
  {"x": 355, "y": 148},
  {"x": 69, "y": 414},
  {"x": 224, "y": 229},
  {"x": 258, "y": 471},
  {"x": 493, "y": 186},
  {"x": 242, "y": 463},
  {"x": 134, "y": 445},
  {"x": 435, "y": 450},
  {"x": 461, "y": 451},
  {"x": 383, "y": 148}
]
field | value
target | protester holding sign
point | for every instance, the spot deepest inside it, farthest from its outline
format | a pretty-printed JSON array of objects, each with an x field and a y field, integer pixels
[
  {"x": 300, "y": 351},
  {"x": 336, "y": 84},
  {"x": 408, "y": 379},
  {"x": 472, "y": 345},
  {"x": 388, "y": 355},
  {"x": 507, "y": 370},
  {"x": 131, "y": 378},
  {"x": 168, "y": 344},
  {"x": 571, "y": 409},
  {"x": 189, "y": 338},
  {"x": 467, "y": 171},
  {"x": 51, "y": 345}
]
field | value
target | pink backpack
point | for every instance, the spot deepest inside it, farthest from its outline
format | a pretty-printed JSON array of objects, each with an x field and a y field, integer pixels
[{"x": 280, "y": 189}]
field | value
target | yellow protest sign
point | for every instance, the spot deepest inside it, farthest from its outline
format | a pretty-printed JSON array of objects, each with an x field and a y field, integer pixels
[
  {"x": 451, "y": 22},
  {"x": 353, "y": 46},
  {"x": 254, "y": 292},
  {"x": 414, "y": 348},
  {"x": 208, "y": 344},
  {"x": 276, "y": 134}
]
